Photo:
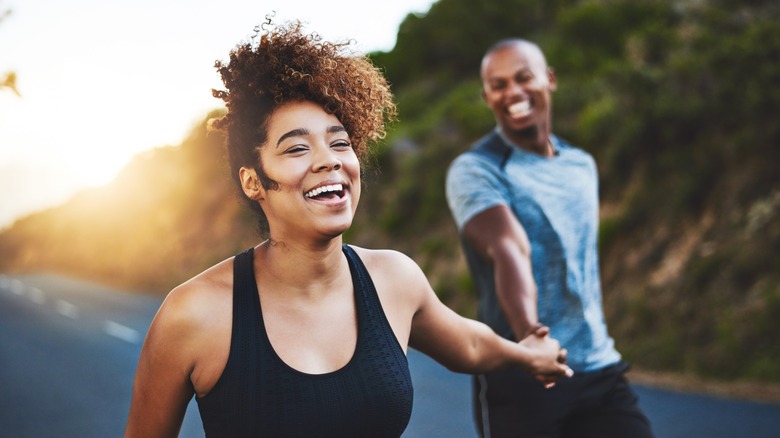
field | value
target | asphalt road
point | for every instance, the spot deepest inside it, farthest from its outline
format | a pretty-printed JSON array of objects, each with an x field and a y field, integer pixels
[{"x": 68, "y": 352}]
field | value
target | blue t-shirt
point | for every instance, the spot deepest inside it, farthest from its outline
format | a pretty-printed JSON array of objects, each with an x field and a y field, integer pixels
[{"x": 556, "y": 201}]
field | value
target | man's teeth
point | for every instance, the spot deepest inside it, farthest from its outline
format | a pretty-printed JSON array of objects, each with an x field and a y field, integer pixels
[
  {"x": 323, "y": 189},
  {"x": 519, "y": 108}
]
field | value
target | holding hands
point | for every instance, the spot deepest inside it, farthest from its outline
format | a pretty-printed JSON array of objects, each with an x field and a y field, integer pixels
[{"x": 548, "y": 362}]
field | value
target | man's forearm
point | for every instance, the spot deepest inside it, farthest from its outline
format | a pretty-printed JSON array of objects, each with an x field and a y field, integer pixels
[{"x": 516, "y": 291}]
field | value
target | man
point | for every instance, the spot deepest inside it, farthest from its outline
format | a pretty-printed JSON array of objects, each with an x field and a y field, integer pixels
[{"x": 526, "y": 206}]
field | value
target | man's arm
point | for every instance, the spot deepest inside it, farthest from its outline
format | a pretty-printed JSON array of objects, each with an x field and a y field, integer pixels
[{"x": 498, "y": 236}]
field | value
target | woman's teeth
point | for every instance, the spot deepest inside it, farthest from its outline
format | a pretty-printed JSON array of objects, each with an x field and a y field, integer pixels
[{"x": 324, "y": 189}]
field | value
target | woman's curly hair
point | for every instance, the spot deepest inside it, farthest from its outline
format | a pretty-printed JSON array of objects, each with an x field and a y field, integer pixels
[{"x": 286, "y": 65}]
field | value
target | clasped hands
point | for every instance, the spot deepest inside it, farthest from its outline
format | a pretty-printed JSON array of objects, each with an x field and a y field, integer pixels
[{"x": 549, "y": 363}]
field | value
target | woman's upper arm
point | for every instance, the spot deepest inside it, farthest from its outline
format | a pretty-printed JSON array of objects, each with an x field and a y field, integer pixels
[
  {"x": 420, "y": 319},
  {"x": 441, "y": 333},
  {"x": 411, "y": 306},
  {"x": 438, "y": 331},
  {"x": 162, "y": 387}
]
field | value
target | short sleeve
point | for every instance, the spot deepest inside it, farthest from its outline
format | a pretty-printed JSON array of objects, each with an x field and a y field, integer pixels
[{"x": 473, "y": 186}]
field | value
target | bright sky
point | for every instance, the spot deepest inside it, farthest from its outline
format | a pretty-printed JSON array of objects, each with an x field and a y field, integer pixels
[{"x": 103, "y": 80}]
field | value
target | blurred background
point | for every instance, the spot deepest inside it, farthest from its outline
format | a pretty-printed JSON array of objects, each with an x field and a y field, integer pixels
[{"x": 107, "y": 172}]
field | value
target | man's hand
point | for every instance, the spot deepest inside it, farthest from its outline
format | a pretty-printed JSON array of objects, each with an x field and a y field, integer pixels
[{"x": 549, "y": 363}]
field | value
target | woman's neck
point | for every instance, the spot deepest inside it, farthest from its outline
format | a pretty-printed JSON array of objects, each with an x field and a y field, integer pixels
[{"x": 294, "y": 265}]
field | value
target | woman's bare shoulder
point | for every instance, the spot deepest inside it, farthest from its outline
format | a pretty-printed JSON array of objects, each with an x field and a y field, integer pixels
[
  {"x": 191, "y": 331},
  {"x": 202, "y": 298},
  {"x": 392, "y": 267},
  {"x": 387, "y": 258}
]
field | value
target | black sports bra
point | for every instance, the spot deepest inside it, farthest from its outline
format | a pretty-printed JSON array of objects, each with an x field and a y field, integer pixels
[{"x": 260, "y": 395}]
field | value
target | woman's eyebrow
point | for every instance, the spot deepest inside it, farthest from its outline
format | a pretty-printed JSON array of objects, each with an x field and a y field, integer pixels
[
  {"x": 299, "y": 132},
  {"x": 294, "y": 133}
]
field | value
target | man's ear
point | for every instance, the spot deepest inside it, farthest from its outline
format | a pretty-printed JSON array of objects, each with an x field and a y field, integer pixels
[
  {"x": 250, "y": 184},
  {"x": 552, "y": 79}
]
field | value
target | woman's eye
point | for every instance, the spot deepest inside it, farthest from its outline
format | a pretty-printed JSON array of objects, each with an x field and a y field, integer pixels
[
  {"x": 342, "y": 144},
  {"x": 295, "y": 149}
]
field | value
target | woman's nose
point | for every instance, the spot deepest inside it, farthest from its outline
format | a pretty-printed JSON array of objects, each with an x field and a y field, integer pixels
[{"x": 326, "y": 159}]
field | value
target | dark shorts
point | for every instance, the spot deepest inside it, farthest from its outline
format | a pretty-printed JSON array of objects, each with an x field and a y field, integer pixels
[{"x": 511, "y": 403}]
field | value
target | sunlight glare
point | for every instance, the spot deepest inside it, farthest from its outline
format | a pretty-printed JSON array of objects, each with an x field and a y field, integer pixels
[{"x": 102, "y": 81}]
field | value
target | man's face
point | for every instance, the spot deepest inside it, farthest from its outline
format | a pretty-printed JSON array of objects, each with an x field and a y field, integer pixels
[{"x": 517, "y": 86}]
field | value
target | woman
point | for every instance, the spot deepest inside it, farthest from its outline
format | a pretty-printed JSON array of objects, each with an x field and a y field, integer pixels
[{"x": 303, "y": 335}]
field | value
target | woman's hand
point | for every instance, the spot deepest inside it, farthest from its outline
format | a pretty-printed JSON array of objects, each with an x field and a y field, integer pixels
[{"x": 548, "y": 362}]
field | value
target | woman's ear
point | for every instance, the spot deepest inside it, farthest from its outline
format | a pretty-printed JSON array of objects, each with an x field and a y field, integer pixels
[{"x": 250, "y": 183}]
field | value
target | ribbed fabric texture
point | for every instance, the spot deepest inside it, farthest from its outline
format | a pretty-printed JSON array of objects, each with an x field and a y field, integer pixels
[{"x": 258, "y": 395}]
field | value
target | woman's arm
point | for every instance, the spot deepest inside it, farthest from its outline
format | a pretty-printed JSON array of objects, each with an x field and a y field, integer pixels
[
  {"x": 468, "y": 346},
  {"x": 162, "y": 387}
]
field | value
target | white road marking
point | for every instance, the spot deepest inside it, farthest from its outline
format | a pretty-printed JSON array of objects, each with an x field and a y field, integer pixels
[
  {"x": 17, "y": 287},
  {"x": 67, "y": 309},
  {"x": 122, "y": 332},
  {"x": 36, "y": 295}
]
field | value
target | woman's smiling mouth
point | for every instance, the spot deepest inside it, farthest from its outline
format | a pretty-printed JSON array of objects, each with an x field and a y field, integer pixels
[{"x": 326, "y": 192}]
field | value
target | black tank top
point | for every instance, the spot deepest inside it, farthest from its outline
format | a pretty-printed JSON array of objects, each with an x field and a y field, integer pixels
[{"x": 258, "y": 395}]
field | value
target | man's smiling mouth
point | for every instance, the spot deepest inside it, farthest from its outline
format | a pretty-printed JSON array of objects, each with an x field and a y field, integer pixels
[{"x": 520, "y": 109}]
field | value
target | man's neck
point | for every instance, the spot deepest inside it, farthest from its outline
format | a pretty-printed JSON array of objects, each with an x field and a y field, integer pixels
[{"x": 535, "y": 142}]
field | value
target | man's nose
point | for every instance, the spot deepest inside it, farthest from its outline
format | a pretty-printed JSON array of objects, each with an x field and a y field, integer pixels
[{"x": 514, "y": 88}]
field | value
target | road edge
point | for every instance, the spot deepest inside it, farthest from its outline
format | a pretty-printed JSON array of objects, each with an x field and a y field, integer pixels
[{"x": 748, "y": 391}]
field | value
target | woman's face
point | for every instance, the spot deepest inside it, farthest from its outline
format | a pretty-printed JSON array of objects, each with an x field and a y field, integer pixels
[{"x": 309, "y": 154}]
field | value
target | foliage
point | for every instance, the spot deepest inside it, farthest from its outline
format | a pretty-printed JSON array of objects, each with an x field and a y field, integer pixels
[
  {"x": 8, "y": 80},
  {"x": 677, "y": 100}
]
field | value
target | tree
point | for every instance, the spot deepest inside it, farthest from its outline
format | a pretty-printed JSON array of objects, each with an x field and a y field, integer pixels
[{"x": 9, "y": 79}]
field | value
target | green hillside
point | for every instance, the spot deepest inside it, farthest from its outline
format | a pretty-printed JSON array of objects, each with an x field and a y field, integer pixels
[
  {"x": 677, "y": 100},
  {"x": 679, "y": 103}
]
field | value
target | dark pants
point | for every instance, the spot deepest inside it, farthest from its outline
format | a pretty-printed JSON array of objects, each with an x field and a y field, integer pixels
[{"x": 511, "y": 403}]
